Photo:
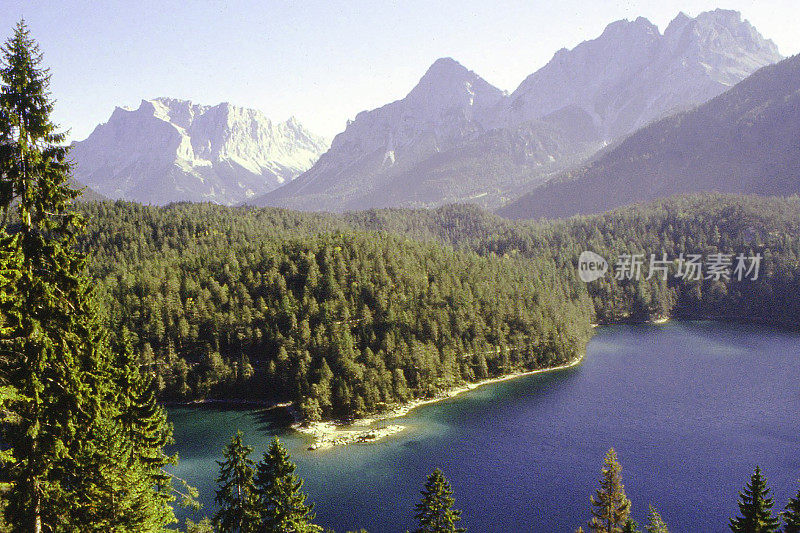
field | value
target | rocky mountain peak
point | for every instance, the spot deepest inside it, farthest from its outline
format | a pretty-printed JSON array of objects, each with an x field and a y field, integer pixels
[
  {"x": 448, "y": 84},
  {"x": 631, "y": 74},
  {"x": 170, "y": 150},
  {"x": 719, "y": 44}
]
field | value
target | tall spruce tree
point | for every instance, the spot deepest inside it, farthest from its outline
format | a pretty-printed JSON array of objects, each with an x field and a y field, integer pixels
[
  {"x": 72, "y": 465},
  {"x": 143, "y": 425},
  {"x": 610, "y": 507},
  {"x": 435, "y": 511},
  {"x": 791, "y": 516},
  {"x": 655, "y": 524},
  {"x": 755, "y": 506},
  {"x": 281, "y": 502},
  {"x": 236, "y": 497}
]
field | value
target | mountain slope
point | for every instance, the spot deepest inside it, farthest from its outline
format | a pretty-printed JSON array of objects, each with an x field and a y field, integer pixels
[
  {"x": 448, "y": 105},
  {"x": 632, "y": 75},
  {"x": 456, "y": 138},
  {"x": 744, "y": 141},
  {"x": 172, "y": 150}
]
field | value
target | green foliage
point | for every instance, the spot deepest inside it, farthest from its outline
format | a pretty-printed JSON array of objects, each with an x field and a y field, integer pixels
[
  {"x": 349, "y": 314},
  {"x": 203, "y": 526},
  {"x": 755, "y": 507},
  {"x": 435, "y": 511},
  {"x": 610, "y": 507},
  {"x": 236, "y": 497},
  {"x": 344, "y": 322},
  {"x": 791, "y": 516},
  {"x": 76, "y": 456},
  {"x": 631, "y": 527},
  {"x": 703, "y": 224},
  {"x": 282, "y": 504},
  {"x": 655, "y": 524},
  {"x": 143, "y": 425}
]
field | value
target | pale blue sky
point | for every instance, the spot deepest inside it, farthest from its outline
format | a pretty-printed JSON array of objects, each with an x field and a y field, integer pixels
[{"x": 322, "y": 61}]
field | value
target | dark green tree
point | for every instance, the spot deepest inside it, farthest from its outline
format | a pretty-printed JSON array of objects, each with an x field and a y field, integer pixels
[
  {"x": 143, "y": 423},
  {"x": 10, "y": 272},
  {"x": 631, "y": 527},
  {"x": 236, "y": 497},
  {"x": 755, "y": 506},
  {"x": 655, "y": 524},
  {"x": 281, "y": 501},
  {"x": 203, "y": 526},
  {"x": 791, "y": 516},
  {"x": 435, "y": 511},
  {"x": 610, "y": 507},
  {"x": 73, "y": 465}
]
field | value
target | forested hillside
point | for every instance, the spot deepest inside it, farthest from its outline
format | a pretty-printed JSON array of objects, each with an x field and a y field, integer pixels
[
  {"x": 347, "y": 314},
  {"x": 699, "y": 224},
  {"x": 272, "y": 305},
  {"x": 704, "y": 225}
]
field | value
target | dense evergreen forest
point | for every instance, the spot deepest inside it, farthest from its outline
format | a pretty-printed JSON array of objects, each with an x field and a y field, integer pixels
[
  {"x": 705, "y": 225},
  {"x": 348, "y": 314},
  {"x": 265, "y": 304}
]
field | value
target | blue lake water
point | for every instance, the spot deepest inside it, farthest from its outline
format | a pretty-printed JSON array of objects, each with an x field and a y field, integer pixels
[{"x": 691, "y": 408}]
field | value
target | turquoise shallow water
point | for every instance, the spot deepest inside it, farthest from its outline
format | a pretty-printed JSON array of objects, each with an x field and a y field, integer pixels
[{"x": 690, "y": 408}]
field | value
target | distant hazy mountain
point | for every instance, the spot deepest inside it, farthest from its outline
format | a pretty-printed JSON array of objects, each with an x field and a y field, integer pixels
[
  {"x": 744, "y": 141},
  {"x": 457, "y": 138},
  {"x": 632, "y": 75},
  {"x": 173, "y": 150},
  {"x": 376, "y": 150},
  {"x": 436, "y": 145}
]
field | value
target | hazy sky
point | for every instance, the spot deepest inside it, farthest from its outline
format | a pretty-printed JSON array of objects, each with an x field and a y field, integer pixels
[{"x": 322, "y": 61}]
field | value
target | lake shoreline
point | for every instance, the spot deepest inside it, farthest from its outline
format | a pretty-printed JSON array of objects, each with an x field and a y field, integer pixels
[
  {"x": 631, "y": 322},
  {"x": 209, "y": 402},
  {"x": 329, "y": 434}
]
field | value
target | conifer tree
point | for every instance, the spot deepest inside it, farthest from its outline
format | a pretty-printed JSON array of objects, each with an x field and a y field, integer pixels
[
  {"x": 10, "y": 265},
  {"x": 791, "y": 516},
  {"x": 755, "y": 506},
  {"x": 203, "y": 526},
  {"x": 143, "y": 424},
  {"x": 435, "y": 511},
  {"x": 282, "y": 504},
  {"x": 238, "y": 508},
  {"x": 72, "y": 466},
  {"x": 655, "y": 524},
  {"x": 610, "y": 507},
  {"x": 631, "y": 527}
]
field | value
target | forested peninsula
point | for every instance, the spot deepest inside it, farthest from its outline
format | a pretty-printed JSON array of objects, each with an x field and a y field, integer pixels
[{"x": 350, "y": 315}]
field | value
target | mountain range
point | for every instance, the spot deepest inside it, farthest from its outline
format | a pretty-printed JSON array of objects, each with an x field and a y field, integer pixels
[
  {"x": 746, "y": 140},
  {"x": 170, "y": 150},
  {"x": 632, "y": 75},
  {"x": 457, "y": 138}
]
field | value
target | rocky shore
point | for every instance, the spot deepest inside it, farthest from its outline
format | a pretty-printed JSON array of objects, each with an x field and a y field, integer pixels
[{"x": 372, "y": 429}]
